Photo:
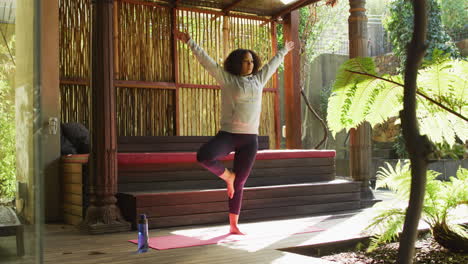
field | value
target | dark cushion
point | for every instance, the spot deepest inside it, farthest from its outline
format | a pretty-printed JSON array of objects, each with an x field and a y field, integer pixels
[{"x": 77, "y": 135}]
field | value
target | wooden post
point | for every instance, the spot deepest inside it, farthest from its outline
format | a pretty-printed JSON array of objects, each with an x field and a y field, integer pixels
[
  {"x": 360, "y": 153},
  {"x": 50, "y": 109},
  {"x": 292, "y": 89},
  {"x": 175, "y": 69},
  {"x": 103, "y": 215},
  {"x": 116, "y": 41},
  {"x": 274, "y": 44}
]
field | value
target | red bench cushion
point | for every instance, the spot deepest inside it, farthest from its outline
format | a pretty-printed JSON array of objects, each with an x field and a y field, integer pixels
[{"x": 180, "y": 157}]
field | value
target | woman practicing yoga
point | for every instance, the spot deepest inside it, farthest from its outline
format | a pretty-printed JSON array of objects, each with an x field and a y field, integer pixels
[{"x": 241, "y": 84}]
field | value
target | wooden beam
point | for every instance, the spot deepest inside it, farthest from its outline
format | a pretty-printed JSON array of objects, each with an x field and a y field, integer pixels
[
  {"x": 289, "y": 9},
  {"x": 144, "y": 84},
  {"x": 227, "y": 9},
  {"x": 213, "y": 12},
  {"x": 292, "y": 7},
  {"x": 292, "y": 89},
  {"x": 137, "y": 2},
  {"x": 74, "y": 81}
]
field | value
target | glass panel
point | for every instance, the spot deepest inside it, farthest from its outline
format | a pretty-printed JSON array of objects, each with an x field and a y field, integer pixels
[{"x": 21, "y": 207}]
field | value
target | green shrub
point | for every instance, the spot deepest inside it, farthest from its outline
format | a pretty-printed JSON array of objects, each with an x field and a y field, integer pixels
[
  {"x": 7, "y": 144},
  {"x": 398, "y": 24},
  {"x": 7, "y": 123},
  {"x": 454, "y": 16}
]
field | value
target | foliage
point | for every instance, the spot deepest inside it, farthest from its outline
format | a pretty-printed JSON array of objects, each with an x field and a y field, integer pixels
[
  {"x": 441, "y": 198},
  {"x": 376, "y": 7},
  {"x": 398, "y": 24},
  {"x": 7, "y": 127},
  {"x": 315, "y": 21},
  {"x": 440, "y": 150},
  {"x": 325, "y": 93},
  {"x": 454, "y": 15},
  {"x": 445, "y": 151},
  {"x": 399, "y": 147},
  {"x": 365, "y": 96}
]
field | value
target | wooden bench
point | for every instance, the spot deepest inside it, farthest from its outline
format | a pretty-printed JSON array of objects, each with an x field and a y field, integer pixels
[
  {"x": 172, "y": 189},
  {"x": 10, "y": 225},
  {"x": 159, "y": 176},
  {"x": 74, "y": 168}
]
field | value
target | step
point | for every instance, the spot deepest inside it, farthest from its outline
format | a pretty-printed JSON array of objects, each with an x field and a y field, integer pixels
[
  {"x": 163, "y": 176},
  {"x": 190, "y": 207}
]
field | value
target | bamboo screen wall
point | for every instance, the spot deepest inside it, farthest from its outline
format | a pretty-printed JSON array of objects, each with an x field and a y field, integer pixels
[
  {"x": 161, "y": 89},
  {"x": 74, "y": 61}
]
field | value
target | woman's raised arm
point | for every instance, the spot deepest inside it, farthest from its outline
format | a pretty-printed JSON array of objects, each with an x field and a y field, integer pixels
[
  {"x": 267, "y": 71},
  {"x": 205, "y": 60}
]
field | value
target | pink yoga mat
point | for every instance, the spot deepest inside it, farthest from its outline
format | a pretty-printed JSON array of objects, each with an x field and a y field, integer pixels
[{"x": 180, "y": 241}]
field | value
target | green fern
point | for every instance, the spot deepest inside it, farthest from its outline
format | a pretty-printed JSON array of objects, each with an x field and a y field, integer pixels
[
  {"x": 441, "y": 198},
  {"x": 393, "y": 221},
  {"x": 360, "y": 95}
]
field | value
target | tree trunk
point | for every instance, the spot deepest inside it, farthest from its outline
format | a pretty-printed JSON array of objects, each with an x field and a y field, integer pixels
[{"x": 417, "y": 146}]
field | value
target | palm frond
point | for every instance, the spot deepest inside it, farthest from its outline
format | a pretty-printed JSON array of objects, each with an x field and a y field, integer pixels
[
  {"x": 344, "y": 91},
  {"x": 460, "y": 127},
  {"x": 387, "y": 102},
  {"x": 439, "y": 125},
  {"x": 446, "y": 83},
  {"x": 360, "y": 95}
]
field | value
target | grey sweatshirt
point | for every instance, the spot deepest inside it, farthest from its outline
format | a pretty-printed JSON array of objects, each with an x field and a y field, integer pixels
[{"x": 241, "y": 96}]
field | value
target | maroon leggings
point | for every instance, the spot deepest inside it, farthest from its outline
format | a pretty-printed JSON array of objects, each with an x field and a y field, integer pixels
[{"x": 245, "y": 147}]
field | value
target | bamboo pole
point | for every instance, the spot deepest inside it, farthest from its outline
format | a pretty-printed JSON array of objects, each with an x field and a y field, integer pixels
[{"x": 226, "y": 32}]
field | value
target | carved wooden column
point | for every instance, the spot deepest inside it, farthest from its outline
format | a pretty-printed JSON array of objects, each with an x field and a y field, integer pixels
[
  {"x": 360, "y": 156},
  {"x": 103, "y": 215},
  {"x": 292, "y": 89}
]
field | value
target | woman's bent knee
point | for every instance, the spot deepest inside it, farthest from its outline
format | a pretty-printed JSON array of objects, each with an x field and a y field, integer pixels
[{"x": 202, "y": 157}]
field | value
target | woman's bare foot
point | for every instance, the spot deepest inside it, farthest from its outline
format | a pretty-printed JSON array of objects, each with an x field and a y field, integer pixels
[
  {"x": 229, "y": 177},
  {"x": 235, "y": 231},
  {"x": 233, "y": 220}
]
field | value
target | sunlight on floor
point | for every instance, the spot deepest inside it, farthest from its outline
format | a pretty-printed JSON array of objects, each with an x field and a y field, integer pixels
[
  {"x": 350, "y": 228},
  {"x": 259, "y": 235}
]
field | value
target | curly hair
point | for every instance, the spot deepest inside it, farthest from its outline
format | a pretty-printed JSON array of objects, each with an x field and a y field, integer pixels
[{"x": 233, "y": 62}]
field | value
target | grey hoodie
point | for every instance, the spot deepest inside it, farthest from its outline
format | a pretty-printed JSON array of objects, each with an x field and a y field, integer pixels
[{"x": 241, "y": 96}]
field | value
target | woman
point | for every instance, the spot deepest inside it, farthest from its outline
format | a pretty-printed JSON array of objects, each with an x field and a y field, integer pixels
[{"x": 241, "y": 100}]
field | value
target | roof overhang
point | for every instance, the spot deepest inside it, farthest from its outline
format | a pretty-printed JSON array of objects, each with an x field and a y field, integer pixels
[{"x": 263, "y": 8}]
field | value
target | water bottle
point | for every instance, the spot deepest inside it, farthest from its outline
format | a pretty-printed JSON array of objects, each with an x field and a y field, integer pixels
[{"x": 142, "y": 234}]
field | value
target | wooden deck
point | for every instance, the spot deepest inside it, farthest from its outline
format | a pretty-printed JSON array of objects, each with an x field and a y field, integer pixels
[{"x": 65, "y": 244}]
